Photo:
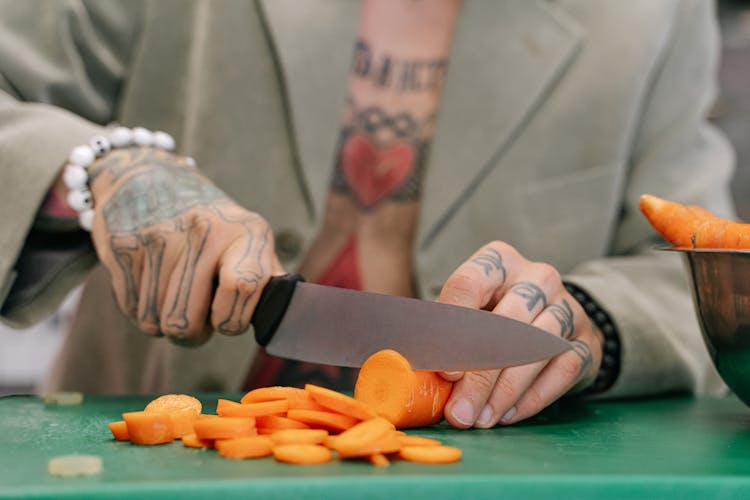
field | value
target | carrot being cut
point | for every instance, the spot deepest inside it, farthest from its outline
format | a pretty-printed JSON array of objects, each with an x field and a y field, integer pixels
[
  {"x": 430, "y": 454},
  {"x": 224, "y": 427},
  {"x": 407, "y": 398},
  {"x": 302, "y": 454},
  {"x": 339, "y": 402},
  {"x": 119, "y": 430},
  {"x": 334, "y": 422},
  {"x": 227, "y": 408},
  {"x": 693, "y": 226},
  {"x": 246, "y": 447},
  {"x": 149, "y": 428}
]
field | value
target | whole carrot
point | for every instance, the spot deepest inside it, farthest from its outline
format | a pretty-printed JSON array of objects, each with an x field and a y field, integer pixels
[{"x": 693, "y": 226}]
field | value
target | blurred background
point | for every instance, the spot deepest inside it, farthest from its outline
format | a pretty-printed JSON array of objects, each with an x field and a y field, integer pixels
[{"x": 26, "y": 355}]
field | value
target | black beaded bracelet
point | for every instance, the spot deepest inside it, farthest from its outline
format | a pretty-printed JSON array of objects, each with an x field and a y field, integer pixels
[{"x": 610, "y": 366}]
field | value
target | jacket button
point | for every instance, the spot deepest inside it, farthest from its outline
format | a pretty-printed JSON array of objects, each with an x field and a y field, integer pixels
[{"x": 288, "y": 244}]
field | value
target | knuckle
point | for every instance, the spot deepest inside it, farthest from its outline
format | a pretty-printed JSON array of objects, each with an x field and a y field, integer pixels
[
  {"x": 548, "y": 272},
  {"x": 483, "y": 381},
  {"x": 461, "y": 286},
  {"x": 570, "y": 367},
  {"x": 505, "y": 388},
  {"x": 534, "y": 401}
]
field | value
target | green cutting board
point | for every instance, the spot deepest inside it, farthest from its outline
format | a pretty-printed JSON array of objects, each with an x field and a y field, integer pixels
[{"x": 678, "y": 448}]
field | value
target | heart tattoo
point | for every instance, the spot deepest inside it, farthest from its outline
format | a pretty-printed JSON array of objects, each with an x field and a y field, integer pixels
[{"x": 374, "y": 173}]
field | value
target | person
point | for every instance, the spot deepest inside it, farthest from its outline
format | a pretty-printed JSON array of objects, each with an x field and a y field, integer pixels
[{"x": 550, "y": 122}]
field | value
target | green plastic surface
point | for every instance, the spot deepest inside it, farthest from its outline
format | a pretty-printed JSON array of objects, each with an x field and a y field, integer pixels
[{"x": 667, "y": 448}]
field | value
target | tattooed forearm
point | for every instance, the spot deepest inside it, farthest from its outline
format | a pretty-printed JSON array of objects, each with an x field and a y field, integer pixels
[
  {"x": 564, "y": 315},
  {"x": 403, "y": 75},
  {"x": 381, "y": 156},
  {"x": 532, "y": 293},
  {"x": 490, "y": 260}
]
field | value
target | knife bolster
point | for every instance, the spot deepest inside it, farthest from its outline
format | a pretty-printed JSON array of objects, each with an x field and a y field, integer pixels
[{"x": 272, "y": 305}]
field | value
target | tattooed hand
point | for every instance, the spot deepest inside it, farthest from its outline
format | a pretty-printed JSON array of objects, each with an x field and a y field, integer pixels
[
  {"x": 498, "y": 279},
  {"x": 184, "y": 259}
]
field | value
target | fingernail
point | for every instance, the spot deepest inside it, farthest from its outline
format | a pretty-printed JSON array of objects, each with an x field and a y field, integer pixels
[
  {"x": 509, "y": 415},
  {"x": 463, "y": 412},
  {"x": 485, "y": 417}
]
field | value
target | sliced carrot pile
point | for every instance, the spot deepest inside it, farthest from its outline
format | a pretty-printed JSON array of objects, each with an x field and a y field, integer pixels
[
  {"x": 690, "y": 226},
  {"x": 406, "y": 397},
  {"x": 304, "y": 426}
]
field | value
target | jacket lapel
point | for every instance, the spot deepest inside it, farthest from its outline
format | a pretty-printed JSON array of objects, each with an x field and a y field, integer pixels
[{"x": 507, "y": 57}]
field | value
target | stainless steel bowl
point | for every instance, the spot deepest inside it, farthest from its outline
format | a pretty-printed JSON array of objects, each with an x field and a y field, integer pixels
[{"x": 720, "y": 282}]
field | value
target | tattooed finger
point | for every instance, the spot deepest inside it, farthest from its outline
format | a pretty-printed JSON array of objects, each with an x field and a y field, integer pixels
[{"x": 126, "y": 251}]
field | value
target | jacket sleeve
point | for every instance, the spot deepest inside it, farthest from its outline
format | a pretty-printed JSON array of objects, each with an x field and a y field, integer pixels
[
  {"x": 678, "y": 156},
  {"x": 62, "y": 65}
]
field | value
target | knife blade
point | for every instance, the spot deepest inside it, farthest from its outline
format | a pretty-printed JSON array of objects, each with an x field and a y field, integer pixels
[{"x": 342, "y": 327}]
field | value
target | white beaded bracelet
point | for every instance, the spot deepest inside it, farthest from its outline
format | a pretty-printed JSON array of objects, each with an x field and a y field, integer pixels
[{"x": 76, "y": 176}]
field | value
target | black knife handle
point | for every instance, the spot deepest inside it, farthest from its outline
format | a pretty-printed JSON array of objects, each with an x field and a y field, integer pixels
[{"x": 272, "y": 305}]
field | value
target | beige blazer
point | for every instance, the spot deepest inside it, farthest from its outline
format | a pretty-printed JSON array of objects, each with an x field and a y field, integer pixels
[{"x": 556, "y": 116}]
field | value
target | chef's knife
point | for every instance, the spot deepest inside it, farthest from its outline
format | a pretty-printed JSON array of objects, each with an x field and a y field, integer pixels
[{"x": 342, "y": 327}]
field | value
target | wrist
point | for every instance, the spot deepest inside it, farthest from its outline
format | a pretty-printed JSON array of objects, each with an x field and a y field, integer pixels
[{"x": 609, "y": 368}]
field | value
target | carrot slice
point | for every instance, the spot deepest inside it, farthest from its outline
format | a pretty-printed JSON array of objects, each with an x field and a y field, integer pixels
[
  {"x": 224, "y": 427},
  {"x": 334, "y": 422},
  {"x": 388, "y": 444},
  {"x": 182, "y": 422},
  {"x": 379, "y": 460},
  {"x": 299, "y": 436},
  {"x": 192, "y": 441},
  {"x": 418, "y": 441},
  {"x": 245, "y": 447},
  {"x": 149, "y": 428},
  {"x": 299, "y": 399},
  {"x": 364, "y": 435},
  {"x": 408, "y": 398},
  {"x": 226, "y": 408},
  {"x": 430, "y": 454},
  {"x": 275, "y": 423},
  {"x": 119, "y": 430},
  {"x": 174, "y": 402},
  {"x": 340, "y": 403},
  {"x": 302, "y": 454}
]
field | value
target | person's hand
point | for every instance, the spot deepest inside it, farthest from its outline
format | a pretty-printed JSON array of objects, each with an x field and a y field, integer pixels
[
  {"x": 499, "y": 279},
  {"x": 185, "y": 260}
]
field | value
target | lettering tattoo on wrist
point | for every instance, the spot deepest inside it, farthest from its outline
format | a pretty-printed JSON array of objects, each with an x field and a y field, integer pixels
[
  {"x": 403, "y": 75},
  {"x": 158, "y": 201},
  {"x": 532, "y": 293},
  {"x": 563, "y": 313},
  {"x": 381, "y": 156},
  {"x": 490, "y": 260}
]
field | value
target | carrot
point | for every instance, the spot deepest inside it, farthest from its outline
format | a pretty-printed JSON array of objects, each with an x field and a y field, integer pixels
[
  {"x": 276, "y": 423},
  {"x": 334, "y": 422},
  {"x": 693, "y": 226},
  {"x": 418, "y": 441},
  {"x": 339, "y": 402},
  {"x": 149, "y": 428},
  {"x": 299, "y": 436},
  {"x": 192, "y": 441},
  {"x": 302, "y": 454},
  {"x": 174, "y": 402},
  {"x": 225, "y": 427},
  {"x": 245, "y": 447},
  {"x": 119, "y": 430},
  {"x": 408, "y": 398},
  {"x": 430, "y": 454},
  {"x": 226, "y": 408},
  {"x": 379, "y": 460},
  {"x": 363, "y": 435}
]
